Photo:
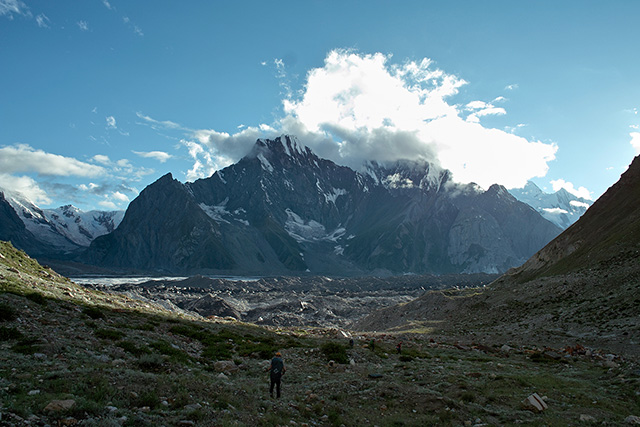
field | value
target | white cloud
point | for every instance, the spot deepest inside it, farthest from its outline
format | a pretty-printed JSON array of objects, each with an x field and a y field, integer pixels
[
  {"x": 107, "y": 4},
  {"x": 156, "y": 124},
  {"x": 120, "y": 196},
  {"x": 108, "y": 204},
  {"x": 635, "y": 141},
  {"x": 9, "y": 7},
  {"x": 578, "y": 192},
  {"x": 111, "y": 122},
  {"x": 160, "y": 156},
  {"x": 360, "y": 107},
  {"x": 23, "y": 158},
  {"x": 83, "y": 25},
  {"x": 25, "y": 185},
  {"x": 511, "y": 86},
  {"x": 102, "y": 159},
  {"x": 42, "y": 20}
]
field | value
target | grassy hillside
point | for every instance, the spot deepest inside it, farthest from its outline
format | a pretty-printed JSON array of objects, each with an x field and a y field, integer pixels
[{"x": 108, "y": 360}]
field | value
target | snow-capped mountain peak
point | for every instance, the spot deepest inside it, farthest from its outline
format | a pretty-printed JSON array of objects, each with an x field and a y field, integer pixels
[
  {"x": 561, "y": 208},
  {"x": 66, "y": 227}
]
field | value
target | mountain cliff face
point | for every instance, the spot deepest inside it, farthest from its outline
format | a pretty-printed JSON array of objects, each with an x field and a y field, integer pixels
[{"x": 282, "y": 209}]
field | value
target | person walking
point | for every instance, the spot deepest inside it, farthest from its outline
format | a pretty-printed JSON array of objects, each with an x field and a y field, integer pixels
[{"x": 277, "y": 370}]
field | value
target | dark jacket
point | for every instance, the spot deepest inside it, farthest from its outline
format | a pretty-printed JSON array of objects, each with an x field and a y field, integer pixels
[{"x": 277, "y": 367}]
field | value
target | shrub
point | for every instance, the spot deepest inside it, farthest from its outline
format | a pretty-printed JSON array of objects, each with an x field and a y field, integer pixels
[
  {"x": 217, "y": 351},
  {"x": 406, "y": 358},
  {"x": 336, "y": 352},
  {"x": 167, "y": 349},
  {"x": 151, "y": 362},
  {"x": 36, "y": 297},
  {"x": 7, "y": 334},
  {"x": 94, "y": 312},
  {"x": 7, "y": 313},
  {"x": 26, "y": 346}
]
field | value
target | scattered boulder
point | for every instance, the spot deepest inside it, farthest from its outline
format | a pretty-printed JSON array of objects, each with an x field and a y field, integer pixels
[
  {"x": 225, "y": 366},
  {"x": 60, "y": 405},
  {"x": 534, "y": 403},
  {"x": 632, "y": 419},
  {"x": 587, "y": 418}
]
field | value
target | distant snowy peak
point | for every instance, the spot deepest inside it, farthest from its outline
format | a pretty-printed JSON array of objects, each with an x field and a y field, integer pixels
[
  {"x": 66, "y": 227},
  {"x": 82, "y": 227},
  {"x": 561, "y": 208}
]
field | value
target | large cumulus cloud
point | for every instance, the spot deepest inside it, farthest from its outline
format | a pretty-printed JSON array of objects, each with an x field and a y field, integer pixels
[{"x": 359, "y": 107}]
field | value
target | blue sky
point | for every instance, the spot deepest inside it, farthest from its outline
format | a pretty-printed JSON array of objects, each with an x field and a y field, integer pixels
[{"x": 100, "y": 98}]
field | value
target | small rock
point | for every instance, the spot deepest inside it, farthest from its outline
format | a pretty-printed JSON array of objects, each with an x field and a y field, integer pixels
[
  {"x": 225, "y": 366},
  {"x": 145, "y": 409},
  {"x": 33, "y": 392},
  {"x": 632, "y": 419},
  {"x": 111, "y": 408},
  {"x": 222, "y": 376},
  {"x": 193, "y": 407},
  {"x": 534, "y": 403},
  {"x": 506, "y": 349},
  {"x": 587, "y": 418},
  {"x": 610, "y": 364},
  {"x": 60, "y": 405},
  {"x": 39, "y": 355},
  {"x": 186, "y": 423}
]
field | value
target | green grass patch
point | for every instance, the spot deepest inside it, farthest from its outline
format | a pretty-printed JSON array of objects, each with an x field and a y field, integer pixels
[
  {"x": 109, "y": 334},
  {"x": 131, "y": 347}
]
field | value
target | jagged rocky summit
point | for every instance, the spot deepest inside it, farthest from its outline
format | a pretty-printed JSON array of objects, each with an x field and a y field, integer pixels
[{"x": 283, "y": 210}]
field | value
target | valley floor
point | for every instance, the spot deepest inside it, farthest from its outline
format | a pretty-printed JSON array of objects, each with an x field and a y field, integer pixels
[{"x": 74, "y": 356}]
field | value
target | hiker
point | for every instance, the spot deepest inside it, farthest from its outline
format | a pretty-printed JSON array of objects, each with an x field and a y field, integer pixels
[
  {"x": 277, "y": 370},
  {"x": 399, "y": 347},
  {"x": 372, "y": 344}
]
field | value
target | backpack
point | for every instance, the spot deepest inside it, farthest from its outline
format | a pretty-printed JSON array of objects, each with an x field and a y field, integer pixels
[{"x": 276, "y": 366}]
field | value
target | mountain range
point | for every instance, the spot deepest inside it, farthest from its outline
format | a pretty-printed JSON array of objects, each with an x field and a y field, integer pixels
[{"x": 283, "y": 210}]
